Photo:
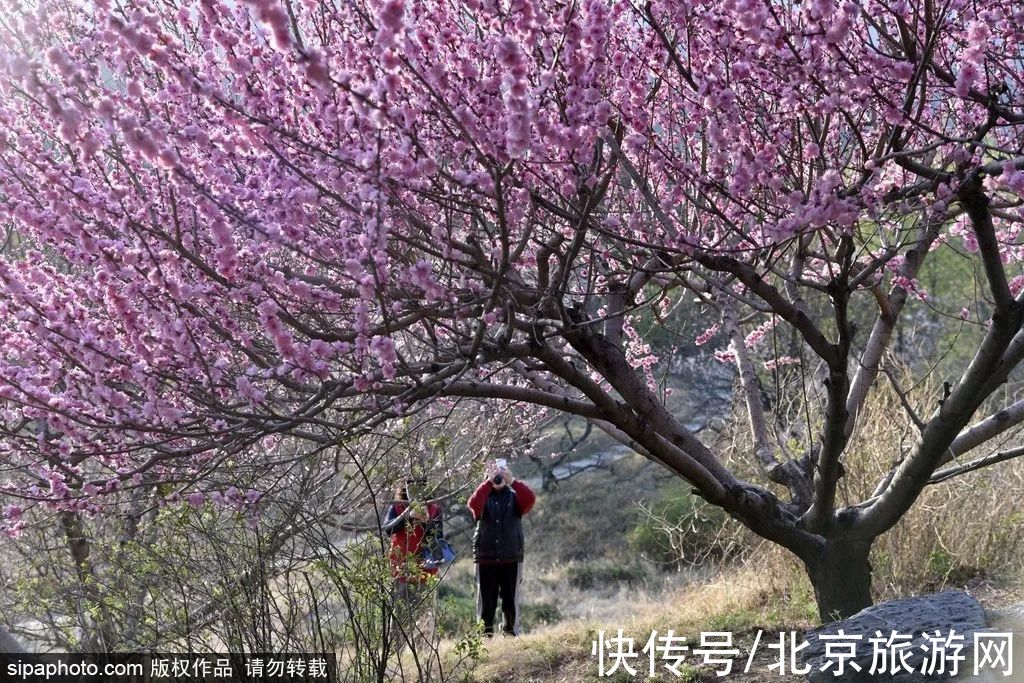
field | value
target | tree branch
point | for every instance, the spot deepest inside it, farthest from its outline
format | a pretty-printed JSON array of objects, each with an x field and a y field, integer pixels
[{"x": 977, "y": 464}]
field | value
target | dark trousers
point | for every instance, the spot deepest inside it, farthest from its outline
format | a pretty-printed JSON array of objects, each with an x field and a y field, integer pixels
[{"x": 494, "y": 581}]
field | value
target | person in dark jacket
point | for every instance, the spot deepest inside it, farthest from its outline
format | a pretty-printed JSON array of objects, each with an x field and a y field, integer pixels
[
  {"x": 498, "y": 506},
  {"x": 412, "y": 525}
]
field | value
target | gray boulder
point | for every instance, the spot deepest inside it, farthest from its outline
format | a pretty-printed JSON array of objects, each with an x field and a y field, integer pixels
[
  {"x": 950, "y": 610},
  {"x": 9, "y": 644}
]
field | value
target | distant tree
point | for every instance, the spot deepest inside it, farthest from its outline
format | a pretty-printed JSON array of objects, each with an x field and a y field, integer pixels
[{"x": 227, "y": 221}]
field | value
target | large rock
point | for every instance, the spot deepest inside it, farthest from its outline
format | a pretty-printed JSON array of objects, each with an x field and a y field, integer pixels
[
  {"x": 9, "y": 644},
  {"x": 1007, "y": 619},
  {"x": 942, "y": 612}
]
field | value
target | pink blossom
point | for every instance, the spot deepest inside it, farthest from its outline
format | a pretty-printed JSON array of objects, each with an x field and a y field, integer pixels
[
  {"x": 274, "y": 16},
  {"x": 1016, "y": 285},
  {"x": 965, "y": 79},
  {"x": 759, "y": 332},
  {"x": 725, "y": 356},
  {"x": 316, "y": 68},
  {"x": 392, "y": 15},
  {"x": 383, "y": 348},
  {"x": 517, "y": 102},
  {"x": 774, "y": 363},
  {"x": 706, "y": 336}
]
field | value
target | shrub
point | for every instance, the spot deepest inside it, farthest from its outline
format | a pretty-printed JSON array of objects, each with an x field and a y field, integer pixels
[
  {"x": 456, "y": 614},
  {"x": 602, "y": 573},
  {"x": 540, "y": 613},
  {"x": 680, "y": 528}
]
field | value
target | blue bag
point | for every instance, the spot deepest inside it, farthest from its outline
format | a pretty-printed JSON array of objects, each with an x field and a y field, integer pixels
[{"x": 437, "y": 552}]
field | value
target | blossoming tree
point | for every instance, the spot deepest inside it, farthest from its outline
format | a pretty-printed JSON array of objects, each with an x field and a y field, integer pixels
[{"x": 225, "y": 221}]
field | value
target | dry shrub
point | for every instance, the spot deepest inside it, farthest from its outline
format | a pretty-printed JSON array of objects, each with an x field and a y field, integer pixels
[
  {"x": 679, "y": 529},
  {"x": 960, "y": 532},
  {"x": 965, "y": 532}
]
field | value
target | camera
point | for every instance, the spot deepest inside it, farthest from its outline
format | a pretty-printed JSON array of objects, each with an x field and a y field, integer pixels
[{"x": 499, "y": 464}]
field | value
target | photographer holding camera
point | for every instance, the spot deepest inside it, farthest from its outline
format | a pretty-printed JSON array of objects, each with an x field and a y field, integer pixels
[{"x": 498, "y": 505}]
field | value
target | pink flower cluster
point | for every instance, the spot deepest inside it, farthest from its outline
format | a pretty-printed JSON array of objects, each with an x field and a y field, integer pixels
[
  {"x": 515, "y": 91},
  {"x": 911, "y": 285},
  {"x": 1016, "y": 285},
  {"x": 275, "y": 17},
  {"x": 755, "y": 336},
  {"x": 391, "y": 34},
  {"x": 706, "y": 336},
  {"x": 421, "y": 275},
  {"x": 972, "y": 61},
  {"x": 774, "y": 363},
  {"x": 726, "y": 355},
  {"x": 638, "y": 353}
]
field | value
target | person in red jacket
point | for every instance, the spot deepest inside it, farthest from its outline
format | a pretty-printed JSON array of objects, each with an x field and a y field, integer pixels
[
  {"x": 498, "y": 505},
  {"x": 411, "y": 524}
]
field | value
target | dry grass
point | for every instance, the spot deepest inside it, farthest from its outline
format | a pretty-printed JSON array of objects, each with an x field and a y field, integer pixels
[
  {"x": 772, "y": 596},
  {"x": 740, "y": 600},
  {"x": 961, "y": 533}
]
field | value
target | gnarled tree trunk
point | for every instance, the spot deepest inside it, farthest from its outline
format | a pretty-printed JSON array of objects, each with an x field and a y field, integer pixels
[{"x": 841, "y": 577}]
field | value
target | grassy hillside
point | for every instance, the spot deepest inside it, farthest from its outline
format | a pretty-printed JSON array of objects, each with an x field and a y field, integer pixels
[
  {"x": 583, "y": 573},
  {"x": 739, "y": 601}
]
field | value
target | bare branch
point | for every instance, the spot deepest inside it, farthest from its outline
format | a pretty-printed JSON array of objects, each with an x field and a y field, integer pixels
[{"x": 977, "y": 464}]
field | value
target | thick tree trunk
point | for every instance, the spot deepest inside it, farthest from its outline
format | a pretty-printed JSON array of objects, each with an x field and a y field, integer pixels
[{"x": 841, "y": 577}]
